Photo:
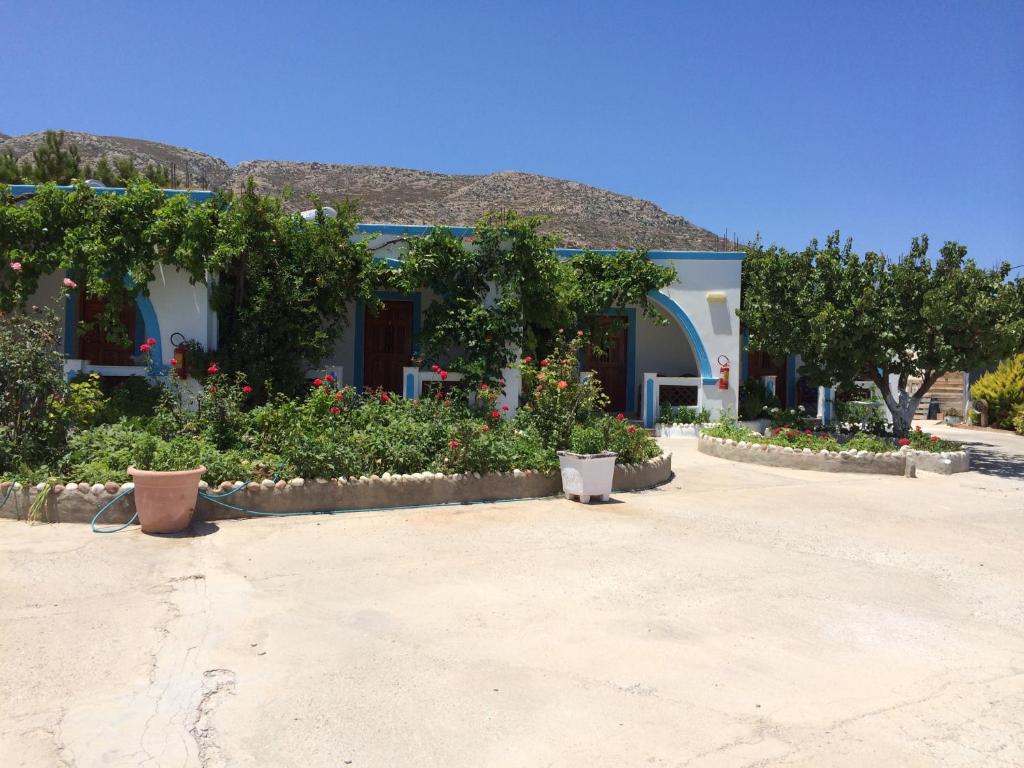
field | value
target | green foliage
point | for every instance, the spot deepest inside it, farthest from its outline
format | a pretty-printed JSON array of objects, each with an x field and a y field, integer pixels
[
  {"x": 755, "y": 400},
  {"x": 31, "y": 382},
  {"x": 1003, "y": 390},
  {"x": 794, "y": 418},
  {"x": 631, "y": 444},
  {"x": 284, "y": 286},
  {"x": 800, "y": 438},
  {"x": 849, "y": 315},
  {"x": 554, "y": 397},
  {"x": 134, "y": 396},
  {"x": 1018, "y": 419},
  {"x": 669, "y": 414},
  {"x": 506, "y": 289},
  {"x": 85, "y": 404},
  {"x": 861, "y": 415}
]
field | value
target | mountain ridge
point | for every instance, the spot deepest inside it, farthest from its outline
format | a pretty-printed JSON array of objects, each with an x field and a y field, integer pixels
[{"x": 585, "y": 216}]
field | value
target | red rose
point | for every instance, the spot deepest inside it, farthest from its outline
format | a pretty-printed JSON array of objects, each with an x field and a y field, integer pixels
[
  {"x": 454, "y": 444},
  {"x": 247, "y": 389},
  {"x": 904, "y": 441},
  {"x": 435, "y": 368},
  {"x": 335, "y": 410},
  {"x": 443, "y": 375},
  {"x": 329, "y": 378},
  {"x": 172, "y": 362},
  {"x": 384, "y": 398},
  {"x": 144, "y": 348},
  {"x": 483, "y": 387},
  {"x": 213, "y": 368},
  {"x": 495, "y": 415},
  {"x": 504, "y": 407},
  {"x": 318, "y": 382},
  {"x": 621, "y": 417},
  {"x": 934, "y": 438},
  {"x": 544, "y": 363},
  {"x": 527, "y": 359},
  {"x": 631, "y": 429},
  {"x": 338, "y": 395},
  {"x": 151, "y": 342},
  {"x": 789, "y": 434}
]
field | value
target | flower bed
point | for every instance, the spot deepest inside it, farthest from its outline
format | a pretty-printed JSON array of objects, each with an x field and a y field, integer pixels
[
  {"x": 822, "y": 451},
  {"x": 79, "y": 502}
]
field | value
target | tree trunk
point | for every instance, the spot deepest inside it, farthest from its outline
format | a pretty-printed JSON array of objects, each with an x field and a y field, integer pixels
[{"x": 902, "y": 405}]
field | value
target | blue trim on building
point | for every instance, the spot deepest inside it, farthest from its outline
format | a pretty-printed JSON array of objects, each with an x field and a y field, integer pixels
[
  {"x": 417, "y": 320},
  {"x": 195, "y": 195},
  {"x": 408, "y": 392},
  {"x": 151, "y": 327},
  {"x": 649, "y": 414},
  {"x": 699, "y": 352},
  {"x": 744, "y": 357},
  {"x": 791, "y": 381},
  {"x": 70, "y": 322},
  {"x": 659, "y": 255},
  {"x": 409, "y": 230}
]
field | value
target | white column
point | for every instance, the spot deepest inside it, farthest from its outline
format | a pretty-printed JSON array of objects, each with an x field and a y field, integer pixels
[
  {"x": 649, "y": 399},
  {"x": 511, "y": 391}
]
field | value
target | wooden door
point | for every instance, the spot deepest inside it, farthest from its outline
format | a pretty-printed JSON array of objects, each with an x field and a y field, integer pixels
[
  {"x": 93, "y": 344},
  {"x": 387, "y": 345},
  {"x": 611, "y": 365}
]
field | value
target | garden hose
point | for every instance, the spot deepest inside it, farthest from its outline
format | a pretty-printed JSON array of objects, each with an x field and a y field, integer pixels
[{"x": 219, "y": 499}]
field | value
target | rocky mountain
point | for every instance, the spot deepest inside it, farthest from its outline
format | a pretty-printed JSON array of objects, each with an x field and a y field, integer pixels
[{"x": 586, "y": 216}]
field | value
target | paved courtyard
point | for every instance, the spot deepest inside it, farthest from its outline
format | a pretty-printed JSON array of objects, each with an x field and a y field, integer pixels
[{"x": 739, "y": 616}]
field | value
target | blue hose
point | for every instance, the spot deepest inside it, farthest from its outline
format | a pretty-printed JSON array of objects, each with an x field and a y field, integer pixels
[{"x": 219, "y": 499}]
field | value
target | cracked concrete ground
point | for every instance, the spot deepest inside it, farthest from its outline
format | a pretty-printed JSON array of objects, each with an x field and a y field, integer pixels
[{"x": 741, "y": 615}]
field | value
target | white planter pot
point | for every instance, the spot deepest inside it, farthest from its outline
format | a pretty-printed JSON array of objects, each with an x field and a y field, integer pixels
[
  {"x": 678, "y": 430},
  {"x": 587, "y": 475}
]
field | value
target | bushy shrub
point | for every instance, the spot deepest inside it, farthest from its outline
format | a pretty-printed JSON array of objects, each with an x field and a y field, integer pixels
[
  {"x": 32, "y": 431},
  {"x": 682, "y": 414},
  {"x": 555, "y": 396},
  {"x": 755, "y": 400},
  {"x": 1003, "y": 390},
  {"x": 798, "y": 439}
]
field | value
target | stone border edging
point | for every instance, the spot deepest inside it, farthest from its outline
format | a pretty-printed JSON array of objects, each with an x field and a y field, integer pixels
[
  {"x": 78, "y": 503},
  {"x": 894, "y": 463}
]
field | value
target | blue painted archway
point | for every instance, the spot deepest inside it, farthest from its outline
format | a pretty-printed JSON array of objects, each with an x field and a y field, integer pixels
[{"x": 690, "y": 330}]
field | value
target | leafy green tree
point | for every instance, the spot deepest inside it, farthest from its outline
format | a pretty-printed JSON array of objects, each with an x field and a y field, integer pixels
[
  {"x": 852, "y": 317},
  {"x": 52, "y": 161},
  {"x": 10, "y": 171}
]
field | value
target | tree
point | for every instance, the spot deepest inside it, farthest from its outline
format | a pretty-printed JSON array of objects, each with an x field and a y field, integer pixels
[
  {"x": 53, "y": 162},
  {"x": 852, "y": 317}
]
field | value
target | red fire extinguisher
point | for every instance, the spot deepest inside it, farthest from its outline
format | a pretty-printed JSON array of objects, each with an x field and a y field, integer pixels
[
  {"x": 723, "y": 372},
  {"x": 180, "y": 363}
]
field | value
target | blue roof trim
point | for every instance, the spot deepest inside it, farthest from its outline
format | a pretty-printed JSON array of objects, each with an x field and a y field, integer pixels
[
  {"x": 660, "y": 255},
  {"x": 410, "y": 229},
  {"x": 195, "y": 195}
]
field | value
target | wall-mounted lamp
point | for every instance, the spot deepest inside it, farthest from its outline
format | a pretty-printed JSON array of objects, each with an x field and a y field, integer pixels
[{"x": 716, "y": 297}]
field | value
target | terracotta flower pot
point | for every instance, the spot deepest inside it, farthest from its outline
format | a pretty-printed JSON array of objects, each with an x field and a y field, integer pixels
[{"x": 165, "y": 501}]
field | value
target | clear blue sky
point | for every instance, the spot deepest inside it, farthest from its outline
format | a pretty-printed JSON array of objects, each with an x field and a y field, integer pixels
[{"x": 883, "y": 119}]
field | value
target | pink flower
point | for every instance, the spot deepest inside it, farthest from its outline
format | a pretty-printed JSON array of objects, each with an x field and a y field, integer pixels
[
  {"x": 16, "y": 266},
  {"x": 454, "y": 444},
  {"x": 527, "y": 359},
  {"x": 563, "y": 384},
  {"x": 338, "y": 395},
  {"x": 621, "y": 417},
  {"x": 483, "y": 387},
  {"x": 435, "y": 368},
  {"x": 247, "y": 389},
  {"x": 173, "y": 362},
  {"x": 318, "y": 382},
  {"x": 544, "y": 363},
  {"x": 151, "y": 341},
  {"x": 579, "y": 334},
  {"x": 213, "y": 368},
  {"x": 144, "y": 348},
  {"x": 934, "y": 438},
  {"x": 329, "y": 378},
  {"x": 504, "y": 407},
  {"x": 69, "y": 283},
  {"x": 335, "y": 410},
  {"x": 904, "y": 441}
]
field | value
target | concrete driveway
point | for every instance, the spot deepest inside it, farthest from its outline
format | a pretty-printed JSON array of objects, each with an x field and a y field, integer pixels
[{"x": 739, "y": 616}]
